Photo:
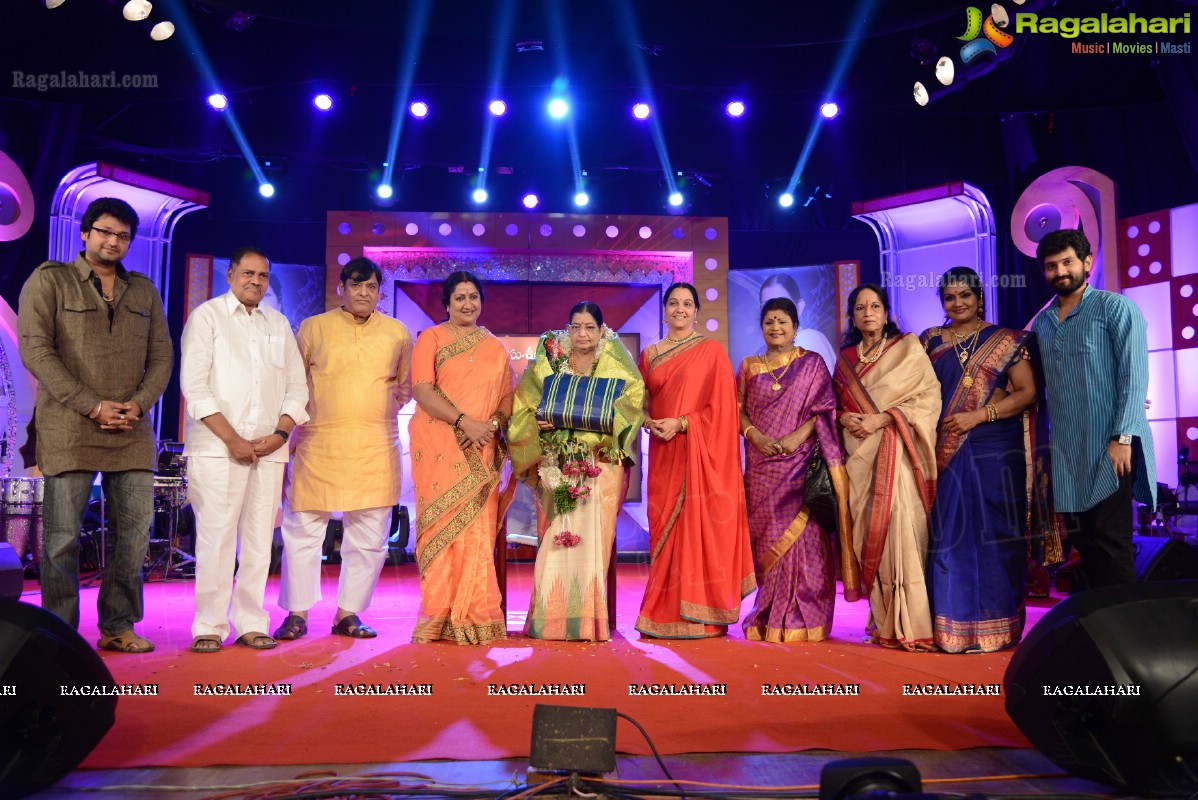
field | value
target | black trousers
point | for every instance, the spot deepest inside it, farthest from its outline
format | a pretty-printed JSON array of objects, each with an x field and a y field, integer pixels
[{"x": 1102, "y": 536}]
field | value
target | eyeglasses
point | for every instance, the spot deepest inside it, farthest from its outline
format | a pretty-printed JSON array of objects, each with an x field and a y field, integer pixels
[
  {"x": 107, "y": 234},
  {"x": 576, "y": 328}
]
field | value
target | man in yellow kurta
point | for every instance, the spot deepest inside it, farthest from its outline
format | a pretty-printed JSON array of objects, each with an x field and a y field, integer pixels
[{"x": 347, "y": 455}]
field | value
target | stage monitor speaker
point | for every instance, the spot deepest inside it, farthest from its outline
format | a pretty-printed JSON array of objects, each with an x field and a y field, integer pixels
[
  {"x": 573, "y": 739},
  {"x": 44, "y": 734},
  {"x": 12, "y": 576},
  {"x": 1106, "y": 686},
  {"x": 856, "y": 777},
  {"x": 1163, "y": 559}
]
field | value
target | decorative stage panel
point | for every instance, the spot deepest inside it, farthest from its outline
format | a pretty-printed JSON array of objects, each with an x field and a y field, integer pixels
[
  {"x": 537, "y": 248},
  {"x": 1156, "y": 270}
]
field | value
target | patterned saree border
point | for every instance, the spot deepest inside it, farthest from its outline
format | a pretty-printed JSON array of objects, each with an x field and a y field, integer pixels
[
  {"x": 670, "y": 630},
  {"x": 677, "y": 350},
  {"x": 431, "y": 629},
  {"x": 456, "y": 525},
  {"x": 459, "y": 346},
  {"x": 670, "y": 523},
  {"x": 706, "y": 615},
  {"x": 764, "y": 633},
  {"x": 474, "y": 478},
  {"x": 956, "y": 636},
  {"x": 782, "y": 546}
]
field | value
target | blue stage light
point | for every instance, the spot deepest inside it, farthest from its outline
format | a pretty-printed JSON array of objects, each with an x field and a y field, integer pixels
[
  {"x": 581, "y": 199},
  {"x": 558, "y": 108},
  {"x": 675, "y": 199},
  {"x": 384, "y": 191},
  {"x": 641, "y": 111},
  {"x": 829, "y": 110},
  {"x": 218, "y": 101},
  {"x": 419, "y": 109},
  {"x": 497, "y": 108},
  {"x": 736, "y": 108},
  {"x": 323, "y": 101},
  {"x": 530, "y": 201},
  {"x": 479, "y": 195},
  {"x": 266, "y": 189},
  {"x": 786, "y": 200}
]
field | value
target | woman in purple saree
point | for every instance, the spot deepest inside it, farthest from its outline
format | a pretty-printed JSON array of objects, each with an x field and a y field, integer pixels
[{"x": 787, "y": 409}]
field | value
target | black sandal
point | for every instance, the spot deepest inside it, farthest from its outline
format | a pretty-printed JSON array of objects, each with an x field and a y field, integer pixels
[
  {"x": 293, "y": 627},
  {"x": 352, "y": 627}
]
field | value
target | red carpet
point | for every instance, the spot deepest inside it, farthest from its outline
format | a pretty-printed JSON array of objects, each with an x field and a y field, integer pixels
[{"x": 461, "y": 721}]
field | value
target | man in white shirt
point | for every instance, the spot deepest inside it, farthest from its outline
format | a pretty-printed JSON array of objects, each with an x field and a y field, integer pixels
[{"x": 246, "y": 390}]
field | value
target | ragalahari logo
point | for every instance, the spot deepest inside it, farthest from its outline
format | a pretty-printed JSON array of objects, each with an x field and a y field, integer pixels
[{"x": 984, "y": 36}]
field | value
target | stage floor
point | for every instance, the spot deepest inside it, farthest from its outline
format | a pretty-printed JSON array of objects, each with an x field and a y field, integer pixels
[{"x": 471, "y": 715}]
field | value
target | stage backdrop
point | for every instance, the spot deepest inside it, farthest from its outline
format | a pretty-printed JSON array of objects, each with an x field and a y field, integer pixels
[{"x": 815, "y": 292}]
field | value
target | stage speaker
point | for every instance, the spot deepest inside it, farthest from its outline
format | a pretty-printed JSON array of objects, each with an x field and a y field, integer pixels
[
  {"x": 573, "y": 739},
  {"x": 857, "y": 777},
  {"x": 44, "y": 734},
  {"x": 12, "y": 575},
  {"x": 1106, "y": 686},
  {"x": 1163, "y": 559}
]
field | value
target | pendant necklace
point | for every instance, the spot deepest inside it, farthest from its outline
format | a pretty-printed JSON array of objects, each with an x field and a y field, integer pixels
[
  {"x": 777, "y": 385},
  {"x": 961, "y": 345}
]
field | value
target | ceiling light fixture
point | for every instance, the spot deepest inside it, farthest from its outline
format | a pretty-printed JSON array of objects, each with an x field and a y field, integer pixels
[
  {"x": 162, "y": 31},
  {"x": 137, "y": 10}
]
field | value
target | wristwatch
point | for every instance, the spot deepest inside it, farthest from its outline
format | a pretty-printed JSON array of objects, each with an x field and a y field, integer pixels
[
  {"x": 281, "y": 432},
  {"x": 1123, "y": 438}
]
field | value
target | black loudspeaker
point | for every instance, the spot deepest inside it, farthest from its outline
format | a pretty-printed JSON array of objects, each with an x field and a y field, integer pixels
[
  {"x": 12, "y": 575},
  {"x": 1163, "y": 559},
  {"x": 1106, "y": 686},
  {"x": 573, "y": 739},
  {"x": 44, "y": 734},
  {"x": 852, "y": 777}
]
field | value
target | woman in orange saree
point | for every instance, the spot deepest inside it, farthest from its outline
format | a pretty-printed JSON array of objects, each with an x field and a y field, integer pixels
[
  {"x": 463, "y": 381},
  {"x": 889, "y": 402},
  {"x": 701, "y": 561}
]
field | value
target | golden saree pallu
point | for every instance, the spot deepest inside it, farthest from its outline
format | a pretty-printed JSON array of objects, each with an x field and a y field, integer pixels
[{"x": 579, "y": 402}]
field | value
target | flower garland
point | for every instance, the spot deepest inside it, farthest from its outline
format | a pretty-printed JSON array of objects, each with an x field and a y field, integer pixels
[
  {"x": 558, "y": 347},
  {"x": 567, "y": 465}
]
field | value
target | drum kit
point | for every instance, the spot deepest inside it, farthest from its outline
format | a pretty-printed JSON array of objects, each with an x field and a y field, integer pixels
[
  {"x": 21, "y": 517},
  {"x": 21, "y": 523}
]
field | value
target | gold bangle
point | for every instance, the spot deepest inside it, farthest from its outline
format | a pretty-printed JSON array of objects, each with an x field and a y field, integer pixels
[
  {"x": 684, "y": 423},
  {"x": 991, "y": 412},
  {"x": 745, "y": 432}
]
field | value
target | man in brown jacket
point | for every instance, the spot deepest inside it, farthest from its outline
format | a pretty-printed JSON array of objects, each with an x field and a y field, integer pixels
[{"x": 95, "y": 337}]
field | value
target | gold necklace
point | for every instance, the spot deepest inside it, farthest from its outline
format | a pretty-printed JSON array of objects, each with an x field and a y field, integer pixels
[
  {"x": 682, "y": 341},
  {"x": 458, "y": 336},
  {"x": 861, "y": 351},
  {"x": 777, "y": 385},
  {"x": 574, "y": 368},
  {"x": 961, "y": 345}
]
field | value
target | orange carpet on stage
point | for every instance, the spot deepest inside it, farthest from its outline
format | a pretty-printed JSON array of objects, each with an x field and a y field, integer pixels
[{"x": 473, "y": 708}]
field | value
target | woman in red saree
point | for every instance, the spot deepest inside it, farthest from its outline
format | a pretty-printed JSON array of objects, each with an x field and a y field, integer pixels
[
  {"x": 889, "y": 400},
  {"x": 463, "y": 383},
  {"x": 701, "y": 562}
]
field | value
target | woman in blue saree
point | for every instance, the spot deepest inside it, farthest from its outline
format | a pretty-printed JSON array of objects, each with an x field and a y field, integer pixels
[{"x": 978, "y": 531}]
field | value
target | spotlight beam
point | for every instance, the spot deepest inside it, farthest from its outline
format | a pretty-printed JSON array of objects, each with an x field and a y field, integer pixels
[
  {"x": 409, "y": 56},
  {"x": 636, "y": 57},
  {"x": 499, "y": 56},
  {"x": 864, "y": 13},
  {"x": 200, "y": 57},
  {"x": 557, "y": 27}
]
